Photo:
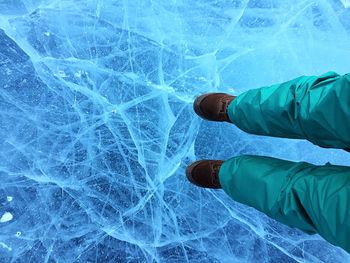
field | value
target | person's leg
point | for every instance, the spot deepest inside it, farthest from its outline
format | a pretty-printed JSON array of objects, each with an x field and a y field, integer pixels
[
  {"x": 312, "y": 108},
  {"x": 315, "y": 199}
]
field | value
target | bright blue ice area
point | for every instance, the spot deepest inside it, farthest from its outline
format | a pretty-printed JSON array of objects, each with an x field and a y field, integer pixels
[{"x": 97, "y": 127}]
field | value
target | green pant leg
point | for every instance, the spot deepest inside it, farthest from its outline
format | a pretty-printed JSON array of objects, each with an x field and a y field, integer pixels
[
  {"x": 315, "y": 199},
  {"x": 312, "y": 108}
]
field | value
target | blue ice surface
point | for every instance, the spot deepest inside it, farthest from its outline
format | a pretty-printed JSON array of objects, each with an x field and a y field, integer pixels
[{"x": 97, "y": 126}]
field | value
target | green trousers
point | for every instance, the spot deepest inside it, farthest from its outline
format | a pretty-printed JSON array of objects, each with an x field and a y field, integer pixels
[{"x": 315, "y": 199}]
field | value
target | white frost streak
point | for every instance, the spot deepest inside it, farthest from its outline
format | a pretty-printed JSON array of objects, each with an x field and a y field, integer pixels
[
  {"x": 346, "y": 3},
  {"x": 4, "y": 246}
]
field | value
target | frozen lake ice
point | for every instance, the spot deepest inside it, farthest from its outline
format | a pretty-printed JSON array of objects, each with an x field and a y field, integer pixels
[{"x": 97, "y": 127}]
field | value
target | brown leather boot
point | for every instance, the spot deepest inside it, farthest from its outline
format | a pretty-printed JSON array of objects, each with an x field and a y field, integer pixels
[
  {"x": 205, "y": 173},
  {"x": 213, "y": 106}
]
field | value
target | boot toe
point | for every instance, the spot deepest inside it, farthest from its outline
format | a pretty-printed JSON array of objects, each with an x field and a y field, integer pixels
[
  {"x": 202, "y": 173},
  {"x": 190, "y": 171},
  {"x": 197, "y": 102},
  {"x": 212, "y": 106}
]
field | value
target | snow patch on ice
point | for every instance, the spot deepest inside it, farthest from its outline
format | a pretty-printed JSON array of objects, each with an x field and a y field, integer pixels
[{"x": 7, "y": 216}]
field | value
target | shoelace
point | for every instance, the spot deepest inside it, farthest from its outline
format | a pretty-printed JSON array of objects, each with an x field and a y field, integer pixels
[
  {"x": 216, "y": 168},
  {"x": 225, "y": 105}
]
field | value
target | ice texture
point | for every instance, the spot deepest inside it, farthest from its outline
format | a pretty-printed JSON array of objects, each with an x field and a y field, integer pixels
[{"x": 97, "y": 126}]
